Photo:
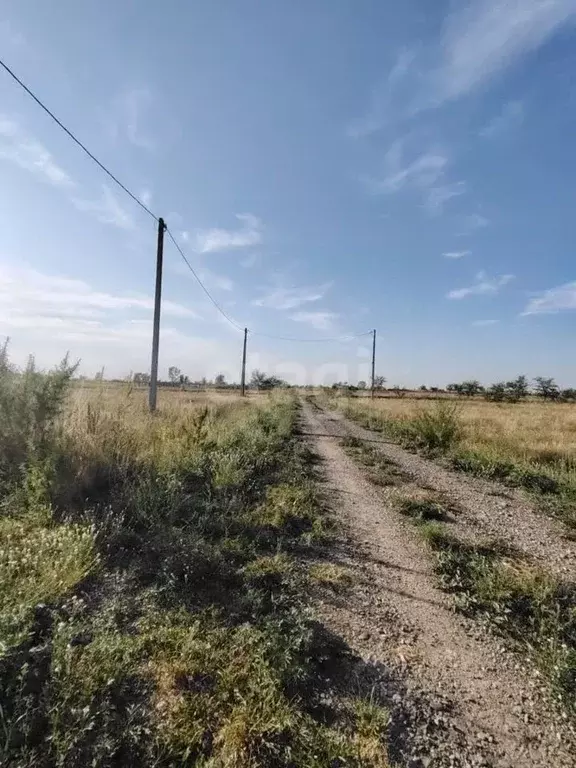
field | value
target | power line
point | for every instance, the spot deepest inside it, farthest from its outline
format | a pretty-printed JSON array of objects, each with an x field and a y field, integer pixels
[
  {"x": 78, "y": 142},
  {"x": 349, "y": 337},
  {"x": 201, "y": 284},
  {"x": 156, "y": 218}
]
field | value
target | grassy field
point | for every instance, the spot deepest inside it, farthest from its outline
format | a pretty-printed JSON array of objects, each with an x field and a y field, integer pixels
[
  {"x": 530, "y": 444},
  {"x": 153, "y": 588}
]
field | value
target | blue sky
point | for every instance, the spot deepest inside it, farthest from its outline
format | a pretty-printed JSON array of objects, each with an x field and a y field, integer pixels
[{"x": 327, "y": 166}]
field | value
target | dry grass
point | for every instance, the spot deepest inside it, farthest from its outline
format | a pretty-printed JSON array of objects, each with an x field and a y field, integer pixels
[{"x": 533, "y": 432}]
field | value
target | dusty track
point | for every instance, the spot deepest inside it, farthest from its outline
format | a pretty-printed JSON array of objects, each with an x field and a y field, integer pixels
[{"x": 488, "y": 707}]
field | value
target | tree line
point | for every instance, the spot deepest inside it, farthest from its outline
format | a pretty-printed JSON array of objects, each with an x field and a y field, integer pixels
[{"x": 514, "y": 391}]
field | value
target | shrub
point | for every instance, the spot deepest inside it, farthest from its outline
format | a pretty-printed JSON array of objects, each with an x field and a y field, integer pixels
[{"x": 437, "y": 428}]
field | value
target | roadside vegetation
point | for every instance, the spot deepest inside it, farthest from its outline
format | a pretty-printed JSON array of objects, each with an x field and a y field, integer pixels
[
  {"x": 531, "y": 609},
  {"x": 153, "y": 604},
  {"x": 529, "y": 444}
]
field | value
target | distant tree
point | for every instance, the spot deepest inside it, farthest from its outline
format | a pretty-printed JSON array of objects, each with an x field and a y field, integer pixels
[
  {"x": 379, "y": 382},
  {"x": 261, "y": 380},
  {"x": 568, "y": 394},
  {"x": 174, "y": 374},
  {"x": 518, "y": 389},
  {"x": 361, "y": 385},
  {"x": 423, "y": 388},
  {"x": 141, "y": 378},
  {"x": 456, "y": 388},
  {"x": 471, "y": 388},
  {"x": 399, "y": 391},
  {"x": 496, "y": 393},
  {"x": 546, "y": 388},
  {"x": 434, "y": 389},
  {"x": 220, "y": 380}
]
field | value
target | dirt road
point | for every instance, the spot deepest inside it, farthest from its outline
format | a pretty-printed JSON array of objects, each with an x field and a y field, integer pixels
[{"x": 465, "y": 700}]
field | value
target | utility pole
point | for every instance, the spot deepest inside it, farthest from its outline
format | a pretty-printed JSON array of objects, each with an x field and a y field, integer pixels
[
  {"x": 244, "y": 363},
  {"x": 156, "y": 326},
  {"x": 373, "y": 360}
]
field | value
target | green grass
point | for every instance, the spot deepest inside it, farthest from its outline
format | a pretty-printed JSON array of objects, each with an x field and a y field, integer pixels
[
  {"x": 524, "y": 604},
  {"x": 381, "y": 471},
  {"x": 154, "y": 606}
]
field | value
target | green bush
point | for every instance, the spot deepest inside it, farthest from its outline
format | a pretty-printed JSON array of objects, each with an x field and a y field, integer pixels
[{"x": 438, "y": 428}]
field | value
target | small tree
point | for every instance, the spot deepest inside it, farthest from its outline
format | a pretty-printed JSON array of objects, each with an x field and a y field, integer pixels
[
  {"x": 379, "y": 382},
  {"x": 220, "y": 380},
  {"x": 518, "y": 389},
  {"x": 399, "y": 391},
  {"x": 174, "y": 374},
  {"x": 471, "y": 388},
  {"x": 423, "y": 388},
  {"x": 497, "y": 392},
  {"x": 261, "y": 380},
  {"x": 361, "y": 385},
  {"x": 141, "y": 378},
  {"x": 547, "y": 389}
]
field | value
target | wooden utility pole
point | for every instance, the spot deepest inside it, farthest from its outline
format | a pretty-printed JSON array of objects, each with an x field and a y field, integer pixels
[
  {"x": 373, "y": 360},
  {"x": 243, "y": 380},
  {"x": 156, "y": 326}
]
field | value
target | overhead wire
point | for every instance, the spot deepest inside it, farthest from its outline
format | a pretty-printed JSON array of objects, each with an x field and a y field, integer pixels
[
  {"x": 157, "y": 218},
  {"x": 201, "y": 284},
  {"x": 78, "y": 142}
]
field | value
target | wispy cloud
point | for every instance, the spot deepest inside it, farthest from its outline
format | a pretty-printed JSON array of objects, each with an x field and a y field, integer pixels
[
  {"x": 485, "y": 37},
  {"x": 511, "y": 116},
  {"x": 472, "y": 223},
  {"x": 559, "y": 299},
  {"x": 483, "y": 323},
  {"x": 107, "y": 209},
  {"x": 484, "y": 286},
  {"x": 126, "y": 117},
  {"x": 322, "y": 321},
  {"x": 423, "y": 171},
  {"x": 291, "y": 298},
  {"x": 248, "y": 234},
  {"x": 383, "y": 98},
  {"x": 456, "y": 254},
  {"x": 24, "y": 151},
  {"x": 438, "y": 196},
  {"x": 146, "y": 196},
  {"x": 29, "y": 299}
]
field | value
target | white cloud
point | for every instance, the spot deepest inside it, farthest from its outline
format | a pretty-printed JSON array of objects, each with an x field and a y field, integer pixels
[
  {"x": 31, "y": 299},
  {"x": 146, "y": 197},
  {"x": 484, "y": 323},
  {"x": 125, "y": 119},
  {"x": 27, "y": 153},
  {"x": 484, "y": 37},
  {"x": 322, "y": 321},
  {"x": 483, "y": 286},
  {"x": 423, "y": 171},
  {"x": 383, "y": 98},
  {"x": 437, "y": 197},
  {"x": 107, "y": 210},
  {"x": 291, "y": 298},
  {"x": 511, "y": 116},
  {"x": 456, "y": 254},
  {"x": 471, "y": 223},
  {"x": 248, "y": 234},
  {"x": 559, "y": 299}
]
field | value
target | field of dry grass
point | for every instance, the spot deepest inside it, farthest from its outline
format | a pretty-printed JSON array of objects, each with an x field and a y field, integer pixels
[
  {"x": 530, "y": 444},
  {"x": 534, "y": 431}
]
